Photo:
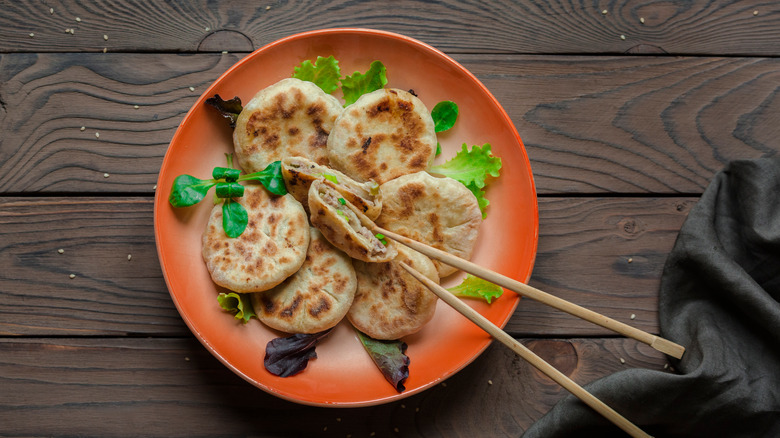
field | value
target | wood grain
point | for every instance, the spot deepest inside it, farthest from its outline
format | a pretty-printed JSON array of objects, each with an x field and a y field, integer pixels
[
  {"x": 591, "y": 125},
  {"x": 111, "y": 295},
  {"x": 174, "y": 387},
  {"x": 527, "y": 26}
]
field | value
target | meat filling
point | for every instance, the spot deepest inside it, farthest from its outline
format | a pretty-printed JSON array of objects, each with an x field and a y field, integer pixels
[{"x": 374, "y": 244}]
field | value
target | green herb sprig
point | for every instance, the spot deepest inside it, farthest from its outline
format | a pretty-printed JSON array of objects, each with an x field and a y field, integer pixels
[{"x": 188, "y": 190}]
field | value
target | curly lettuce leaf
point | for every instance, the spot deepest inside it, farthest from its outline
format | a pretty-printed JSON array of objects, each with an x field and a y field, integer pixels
[
  {"x": 288, "y": 356},
  {"x": 472, "y": 168},
  {"x": 475, "y": 287},
  {"x": 324, "y": 72},
  {"x": 238, "y": 304},
  {"x": 390, "y": 357},
  {"x": 361, "y": 83}
]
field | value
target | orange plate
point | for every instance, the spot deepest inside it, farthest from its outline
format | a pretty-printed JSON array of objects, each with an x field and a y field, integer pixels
[{"x": 343, "y": 374}]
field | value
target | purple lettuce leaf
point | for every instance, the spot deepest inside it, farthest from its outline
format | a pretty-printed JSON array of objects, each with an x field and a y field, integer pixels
[
  {"x": 288, "y": 356},
  {"x": 230, "y": 109},
  {"x": 390, "y": 357}
]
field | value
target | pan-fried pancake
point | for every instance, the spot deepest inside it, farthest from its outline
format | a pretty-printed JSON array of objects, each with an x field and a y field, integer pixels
[
  {"x": 289, "y": 118},
  {"x": 346, "y": 227},
  {"x": 441, "y": 212},
  {"x": 389, "y": 302},
  {"x": 316, "y": 297},
  {"x": 383, "y": 135},
  {"x": 299, "y": 173},
  {"x": 272, "y": 247}
]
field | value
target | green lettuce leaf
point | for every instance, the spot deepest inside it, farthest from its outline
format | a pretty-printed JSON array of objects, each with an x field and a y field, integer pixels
[
  {"x": 324, "y": 72},
  {"x": 472, "y": 168},
  {"x": 359, "y": 84},
  {"x": 475, "y": 287},
  {"x": 239, "y": 304}
]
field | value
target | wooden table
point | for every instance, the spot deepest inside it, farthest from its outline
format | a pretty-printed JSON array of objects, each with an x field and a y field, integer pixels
[{"x": 627, "y": 109}]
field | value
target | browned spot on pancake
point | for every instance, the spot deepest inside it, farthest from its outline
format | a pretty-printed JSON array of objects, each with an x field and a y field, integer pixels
[
  {"x": 276, "y": 201},
  {"x": 288, "y": 311},
  {"x": 382, "y": 167},
  {"x": 272, "y": 218},
  {"x": 272, "y": 142},
  {"x": 407, "y": 144},
  {"x": 408, "y": 196},
  {"x": 405, "y": 105},
  {"x": 269, "y": 249},
  {"x": 320, "y": 138},
  {"x": 268, "y": 305},
  {"x": 284, "y": 260},
  {"x": 322, "y": 305},
  {"x": 339, "y": 282},
  {"x": 419, "y": 161},
  {"x": 382, "y": 106},
  {"x": 315, "y": 108},
  {"x": 293, "y": 131}
]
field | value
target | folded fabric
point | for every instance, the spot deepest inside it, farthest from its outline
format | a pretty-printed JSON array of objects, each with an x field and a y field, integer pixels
[{"x": 720, "y": 298}]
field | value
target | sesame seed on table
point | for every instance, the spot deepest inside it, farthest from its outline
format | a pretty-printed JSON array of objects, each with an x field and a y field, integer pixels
[{"x": 626, "y": 113}]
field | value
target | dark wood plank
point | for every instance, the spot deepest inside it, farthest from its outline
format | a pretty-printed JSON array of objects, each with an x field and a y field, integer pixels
[
  {"x": 584, "y": 251},
  {"x": 174, "y": 387},
  {"x": 527, "y": 26},
  {"x": 590, "y": 125}
]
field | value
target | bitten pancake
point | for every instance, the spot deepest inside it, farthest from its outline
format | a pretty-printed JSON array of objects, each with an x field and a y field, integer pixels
[
  {"x": 383, "y": 135},
  {"x": 316, "y": 297},
  {"x": 389, "y": 302},
  {"x": 441, "y": 212},
  {"x": 289, "y": 118},
  {"x": 272, "y": 247},
  {"x": 345, "y": 226},
  {"x": 300, "y": 172}
]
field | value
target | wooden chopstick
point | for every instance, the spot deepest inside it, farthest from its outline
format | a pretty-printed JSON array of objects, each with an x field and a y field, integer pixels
[
  {"x": 663, "y": 345},
  {"x": 522, "y": 351}
]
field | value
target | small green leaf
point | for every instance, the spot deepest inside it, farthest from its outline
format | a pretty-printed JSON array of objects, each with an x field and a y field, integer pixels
[
  {"x": 234, "y": 218},
  {"x": 444, "y": 115},
  {"x": 324, "y": 72},
  {"x": 475, "y": 287},
  {"x": 359, "y": 84},
  {"x": 239, "y": 304},
  {"x": 226, "y": 173},
  {"x": 438, "y": 148},
  {"x": 229, "y": 190},
  {"x": 188, "y": 190},
  {"x": 271, "y": 178}
]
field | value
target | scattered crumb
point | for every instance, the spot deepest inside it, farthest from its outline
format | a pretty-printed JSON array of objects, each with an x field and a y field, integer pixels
[
  {"x": 416, "y": 409},
  {"x": 97, "y": 135},
  {"x": 67, "y": 30},
  {"x": 444, "y": 384},
  {"x": 32, "y": 34},
  {"x": 630, "y": 259},
  {"x": 403, "y": 406},
  {"x": 61, "y": 251},
  {"x": 192, "y": 88},
  {"x": 633, "y": 316},
  {"x": 267, "y": 8},
  {"x": 187, "y": 358},
  {"x": 105, "y": 37},
  {"x": 135, "y": 107},
  {"x": 755, "y": 12},
  {"x": 490, "y": 382},
  {"x": 105, "y": 49},
  {"x": 155, "y": 187},
  {"x": 207, "y": 29},
  {"x": 642, "y": 20},
  {"x": 622, "y": 360},
  {"x": 83, "y": 128},
  {"x": 604, "y": 12},
  {"x": 129, "y": 257},
  {"x": 395, "y": 429},
  {"x": 72, "y": 276},
  {"x": 622, "y": 37},
  {"x": 51, "y": 10},
  {"x": 106, "y": 175},
  {"x": 224, "y": 52},
  {"x": 666, "y": 366},
  {"x": 338, "y": 419},
  {"x": 78, "y": 20}
]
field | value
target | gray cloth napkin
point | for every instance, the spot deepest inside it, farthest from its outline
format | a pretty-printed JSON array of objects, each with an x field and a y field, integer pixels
[{"x": 720, "y": 298}]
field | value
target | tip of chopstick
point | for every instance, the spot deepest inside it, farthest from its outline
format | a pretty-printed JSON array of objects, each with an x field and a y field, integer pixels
[{"x": 668, "y": 347}]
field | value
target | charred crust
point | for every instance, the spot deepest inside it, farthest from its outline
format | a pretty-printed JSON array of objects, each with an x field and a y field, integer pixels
[{"x": 365, "y": 145}]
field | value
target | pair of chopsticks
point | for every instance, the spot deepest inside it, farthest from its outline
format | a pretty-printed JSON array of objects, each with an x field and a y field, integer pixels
[{"x": 610, "y": 414}]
